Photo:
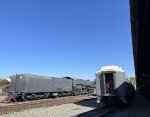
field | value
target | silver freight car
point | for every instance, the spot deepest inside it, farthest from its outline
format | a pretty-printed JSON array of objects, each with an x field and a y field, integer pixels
[
  {"x": 28, "y": 86},
  {"x": 112, "y": 84}
]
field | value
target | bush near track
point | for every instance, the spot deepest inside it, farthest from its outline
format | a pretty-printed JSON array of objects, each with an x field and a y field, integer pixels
[{"x": 4, "y": 85}]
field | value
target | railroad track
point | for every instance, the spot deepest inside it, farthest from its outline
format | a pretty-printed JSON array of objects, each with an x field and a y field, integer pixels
[
  {"x": 98, "y": 112},
  {"x": 16, "y": 107}
]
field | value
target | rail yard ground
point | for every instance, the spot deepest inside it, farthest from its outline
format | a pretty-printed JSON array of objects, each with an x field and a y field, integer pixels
[
  {"x": 2, "y": 98},
  {"x": 65, "y": 110},
  {"x": 75, "y": 106}
]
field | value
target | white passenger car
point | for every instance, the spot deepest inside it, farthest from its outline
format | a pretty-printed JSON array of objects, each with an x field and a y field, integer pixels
[{"x": 112, "y": 83}]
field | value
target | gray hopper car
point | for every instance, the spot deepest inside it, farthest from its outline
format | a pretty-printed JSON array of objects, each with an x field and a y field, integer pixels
[
  {"x": 112, "y": 85},
  {"x": 27, "y": 86}
]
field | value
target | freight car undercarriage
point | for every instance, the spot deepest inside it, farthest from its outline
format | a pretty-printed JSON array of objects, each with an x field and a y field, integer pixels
[
  {"x": 14, "y": 96},
  {"x": 112, "y": 100}
]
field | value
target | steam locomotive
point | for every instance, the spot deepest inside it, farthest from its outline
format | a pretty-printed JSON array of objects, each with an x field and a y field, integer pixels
[{"x": 29, "y": 87}]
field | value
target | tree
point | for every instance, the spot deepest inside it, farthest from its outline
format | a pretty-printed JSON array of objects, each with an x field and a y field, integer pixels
[{"x": 133, "y": 80}]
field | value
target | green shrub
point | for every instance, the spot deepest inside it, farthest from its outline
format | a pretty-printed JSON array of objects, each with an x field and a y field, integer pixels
[{"x": 6, "y": 88}]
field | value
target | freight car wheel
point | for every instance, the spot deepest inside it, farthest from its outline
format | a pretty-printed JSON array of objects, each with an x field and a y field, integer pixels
[
  {"x": 60, "y": 94},
  {"x": 46, "y": 95},
  {"x": 34, "y": 96},
  {"x": 75, "y": 93},
  {"x": 69, "y": 93}
]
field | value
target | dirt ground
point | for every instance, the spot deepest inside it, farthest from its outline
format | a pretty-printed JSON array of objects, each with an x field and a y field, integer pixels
[{"x": 3, "y": 96}]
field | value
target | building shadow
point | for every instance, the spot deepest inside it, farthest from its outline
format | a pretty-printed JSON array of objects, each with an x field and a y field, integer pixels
[{"x": 89, "y": 103}]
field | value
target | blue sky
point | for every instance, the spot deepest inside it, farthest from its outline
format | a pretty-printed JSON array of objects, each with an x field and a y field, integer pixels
[{"x": 64, "y": 37}]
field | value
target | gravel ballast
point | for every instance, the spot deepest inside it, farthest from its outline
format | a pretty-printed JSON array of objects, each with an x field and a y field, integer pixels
[{"x": 65, "y": 110}]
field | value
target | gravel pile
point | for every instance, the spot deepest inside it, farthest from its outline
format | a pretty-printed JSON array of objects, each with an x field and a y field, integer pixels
[{"x": 65, "y": 110}]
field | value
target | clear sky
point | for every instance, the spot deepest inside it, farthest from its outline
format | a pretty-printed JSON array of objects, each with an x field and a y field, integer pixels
[{"x": 64, "y": 37}]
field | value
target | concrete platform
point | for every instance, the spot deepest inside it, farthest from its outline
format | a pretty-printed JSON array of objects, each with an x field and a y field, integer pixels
[{"x": 138, "y": 107}]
